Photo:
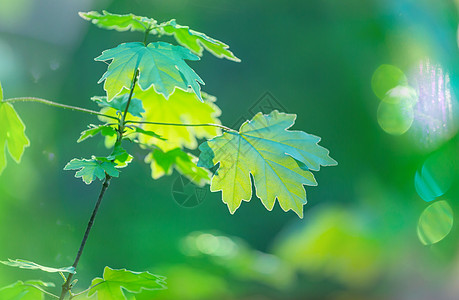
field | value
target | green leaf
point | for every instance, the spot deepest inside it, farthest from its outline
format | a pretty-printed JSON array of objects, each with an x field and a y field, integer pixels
[
  {"x": 119, "y": 103},
  {"x": 107, "y": 20},
  {"x": 182, "y": 107},
  {"x": 119, "y": 156},
  {"x": 93, "y": 130},
  {"x": 197, "y": 41},
  {"x": 25, "y": 264},
  {"x": 264, "y": 148},
  {"x": 191, "y": 39},
  {"x": 25, "y": 290},
  {"x": 147, "y": 133},
  {"x": 12, "y": 134},
  {"x": 163, "y": 163},
  {"x": 114, "y": 282},
  {"x": 90, "y": 169},
  {"x": 160, "y": 65}
]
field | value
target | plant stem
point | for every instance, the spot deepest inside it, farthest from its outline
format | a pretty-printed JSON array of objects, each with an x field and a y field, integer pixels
[
  {"x": 181, "y": 124},
  {"x": 123, "y": 117},
  {"x": 55, "y": 104},
  {"x": 66, "y": 286}
]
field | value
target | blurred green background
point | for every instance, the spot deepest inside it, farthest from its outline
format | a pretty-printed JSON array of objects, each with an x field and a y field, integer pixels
[{"x": 362, "y": 236}]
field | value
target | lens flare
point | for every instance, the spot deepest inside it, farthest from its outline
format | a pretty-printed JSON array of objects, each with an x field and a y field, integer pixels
[{"x": 435, "y": 115}]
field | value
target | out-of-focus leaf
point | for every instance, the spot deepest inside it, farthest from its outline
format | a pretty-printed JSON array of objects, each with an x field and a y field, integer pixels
[
  {"x": 25, "y": 290},
  {"x": 182, "y": 107},
  {"x": 115, "y": 282},
  {"x": 265, "y": 148},
  {"x": 163, "y": 163},
  {"x": 12, "y": 133},
  {"x": 337, "y": 243},
  {"x": 160, "y": 65},
  {"x": 25, "y": 264}
]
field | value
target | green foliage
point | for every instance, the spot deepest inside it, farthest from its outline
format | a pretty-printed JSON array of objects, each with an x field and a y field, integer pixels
[
  {"x": 156, "y": 101},
  {"x": 160, "y": 65},
  {"x": 119, "y": 156},
  {"x": 264, "y": 148},
  {"x": 191, "y": 39},
  {"x": 148, "y": 133},
  {"x": 119, "y": 103},
  {"x": 25, "y": 264},
  {"x": 182, "y": 107},
  {"x": 197, "y": 41},
  {"x": 12, "y": 133},
  {"x": 115, "y": 282},
  {"x": 28, "y": 290},
  {"x": 163, "y": 163},
  {"x": 119, "y": 22},
  {"x": 93, "y": 130},
  {"x": 90, "y": 169}
]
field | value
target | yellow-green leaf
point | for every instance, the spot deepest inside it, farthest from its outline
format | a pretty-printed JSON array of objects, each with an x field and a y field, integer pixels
[
  {"x": 182, "y": 107},
  {"x": 28, "y": 290},
  {"x": 197, "y": 41},
  {"x": 278, "y": 160},
  {"x": 163, "y": 163},
  {"x": 189, "y": 38},
  {"x": 12, "y": 134},
  {"x": 118, "y": 22},
  {"x": 114, "y": 282}
]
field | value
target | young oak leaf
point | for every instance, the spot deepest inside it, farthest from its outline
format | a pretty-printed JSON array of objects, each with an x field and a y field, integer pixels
[
  {"x": 114, "y": 282},
  {"x": 163, "y": 163},
  {"x": 160, "y": 65},
  {"x": 279, "y": 161},
  {"x": 191, "y": 39},
  {"x": 90, "y": 169},
  {"x": 25, "y": 264},
  {"x": 182, "y": 107},
  {"x": 196, "y": 41},
  {"x": 28, "y": 290},
  {"x": 12, "y": 133},
  {"x": 126, "y": 22}
]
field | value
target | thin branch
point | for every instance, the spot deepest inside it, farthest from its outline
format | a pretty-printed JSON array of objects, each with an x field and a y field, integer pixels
[
  {"x": 55, "y": 104},
  {"x": 181, "y": 124},
  {"x": 42, "y": 290},
  {"x": 66, "y": 286},
  {"x": 133, "y": 82}
]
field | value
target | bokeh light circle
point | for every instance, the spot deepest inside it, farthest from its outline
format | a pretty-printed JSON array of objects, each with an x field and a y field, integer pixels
[
  {"x": 385, "y": 78},
  {"x": 435, "y": 223},
  {"x": 395, "y": 117}
]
